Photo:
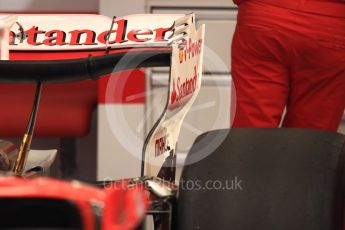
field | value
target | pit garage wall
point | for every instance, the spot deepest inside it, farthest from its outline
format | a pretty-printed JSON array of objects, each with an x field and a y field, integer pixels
[
  {"x": 120, "y": 125},
  {"x": 50, "y": 6}
]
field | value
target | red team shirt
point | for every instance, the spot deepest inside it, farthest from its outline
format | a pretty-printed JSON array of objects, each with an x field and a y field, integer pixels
[
  {"x": 325, "y": 7},
  {"x": 289, "y": 54}
]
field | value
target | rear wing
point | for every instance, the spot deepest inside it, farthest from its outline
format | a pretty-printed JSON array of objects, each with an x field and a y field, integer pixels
[{"x": 128, "y": 42}]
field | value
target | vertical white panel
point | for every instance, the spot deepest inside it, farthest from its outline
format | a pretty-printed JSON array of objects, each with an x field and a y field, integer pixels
[{"x": 120, "y": 141}]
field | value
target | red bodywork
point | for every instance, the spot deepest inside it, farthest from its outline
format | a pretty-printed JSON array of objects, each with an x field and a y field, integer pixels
[{"x": 123, "y": 206}]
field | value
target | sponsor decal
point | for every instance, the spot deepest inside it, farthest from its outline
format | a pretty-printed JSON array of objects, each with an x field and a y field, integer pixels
[
  {"x": 184, "y": 88},
  {"x": 161, "y": 146},
  {"x": 36, "y": 36},
  {"x": 191, "y": 50}
]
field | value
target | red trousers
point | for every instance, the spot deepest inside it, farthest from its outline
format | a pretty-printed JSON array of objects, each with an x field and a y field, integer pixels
[{"x": 288, "y": 59}]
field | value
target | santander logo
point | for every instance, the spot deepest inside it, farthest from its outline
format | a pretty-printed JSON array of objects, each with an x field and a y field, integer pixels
[
  {"x": 36, "y": 36},
  {"x": 183, "y": 89}
]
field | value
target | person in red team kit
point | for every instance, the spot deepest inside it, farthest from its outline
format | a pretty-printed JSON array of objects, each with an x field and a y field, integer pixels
[{"x": 289, "y": 54}]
